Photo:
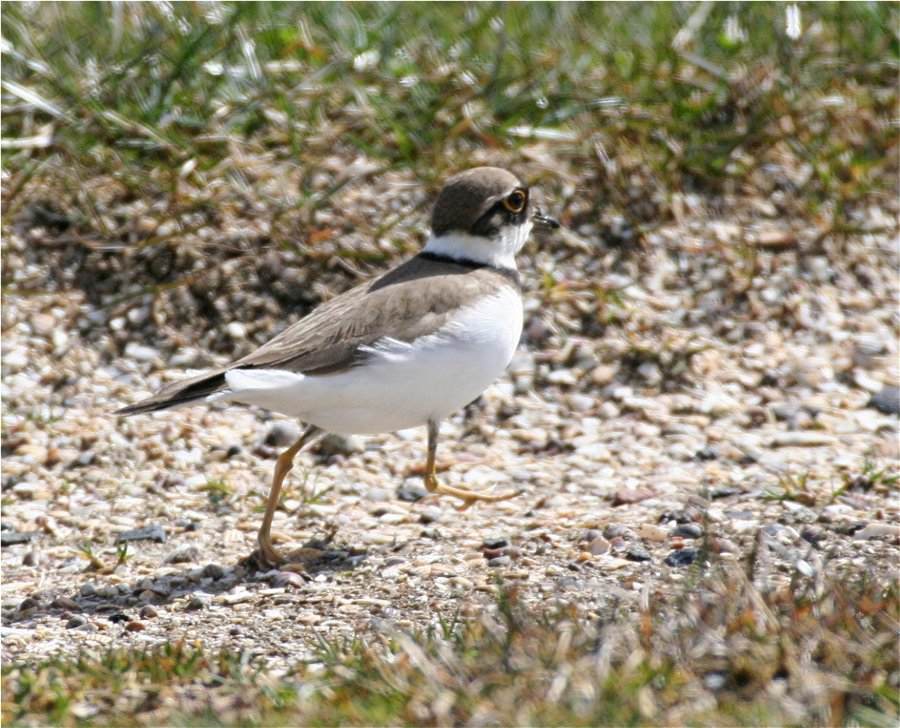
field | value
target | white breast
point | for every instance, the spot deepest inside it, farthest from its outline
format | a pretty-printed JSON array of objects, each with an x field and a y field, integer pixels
[{"x": 401, "y": 384}]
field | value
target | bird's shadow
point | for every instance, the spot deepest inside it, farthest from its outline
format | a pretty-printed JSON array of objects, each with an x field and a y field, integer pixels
[{"x": 123, "y": 602}]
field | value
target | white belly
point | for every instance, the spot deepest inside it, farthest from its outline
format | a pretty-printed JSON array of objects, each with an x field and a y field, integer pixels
[{"x": 401, "y": 384}]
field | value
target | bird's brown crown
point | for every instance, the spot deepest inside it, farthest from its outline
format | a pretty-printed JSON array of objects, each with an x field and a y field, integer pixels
[{"x": 468, "y": 197}]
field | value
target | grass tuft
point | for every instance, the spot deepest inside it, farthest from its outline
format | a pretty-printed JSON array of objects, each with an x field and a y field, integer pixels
[{"x": 723, "y": 652}]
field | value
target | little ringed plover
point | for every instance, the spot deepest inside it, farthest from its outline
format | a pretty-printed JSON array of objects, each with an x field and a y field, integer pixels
[{"x": 403, "y": 350}]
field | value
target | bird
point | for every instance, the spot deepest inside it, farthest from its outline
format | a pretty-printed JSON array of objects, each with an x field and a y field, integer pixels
[{"x": 404, "y": 350}]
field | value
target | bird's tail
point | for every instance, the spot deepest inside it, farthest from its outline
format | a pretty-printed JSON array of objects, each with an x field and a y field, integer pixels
[{"x": 178, "y": 393}]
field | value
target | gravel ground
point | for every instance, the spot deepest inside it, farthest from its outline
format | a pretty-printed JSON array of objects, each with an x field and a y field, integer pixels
[{"x": 671, "y": 403}]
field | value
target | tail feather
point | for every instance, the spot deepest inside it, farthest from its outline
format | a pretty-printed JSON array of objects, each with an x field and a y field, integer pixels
[{"x": 178, "y": 393}]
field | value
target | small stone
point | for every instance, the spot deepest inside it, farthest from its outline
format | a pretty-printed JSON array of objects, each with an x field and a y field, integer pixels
[
  {"x": 495, "y": 542},
  {"x": 88, "y": 590},
  {"x": 118, "y": 617},
  {"x": 609, "y": 411},
  {"x": 28, "y": 603},
  {"x": 886, "y": 531},
  {"x": 724, "y": 546},
  {"x": 681, "y": 557},
  {"x": 13, "y": 538},
  {"x": 411, "y": 492},
  {"x": 563, "y": 377},
  {"x": 139, "y": 352},
  {"x": 598, "y": 546},
  {"x": 627, "y": 496},
  {"x": 804, "y": 567},
  {"x": 812, "y": 535},
  {"x": 75, "y": 622},
  {"x": 213, "y": 571},
  {"x": 148, "y": 612},
  {"x": 652, "y": 533},
  {"x": 284, "y": 579},
  {"x": 334, "y": 444},
  {"x": 803, "y": 438},
  {"x": 706, "y": 454},
  {"x": 236, "y": 330},
  {"x": 637, "y": 553},
  {"x": 887, "y": 401},
  {"x": 429, "y": 515},
  {"x": 195, "y": 604},
  {"x": 725, "y": 492},
  {"x": 616, "y": 530},
  {"x": 499, "y": 561},
  {"x": 282, "y": 433},
  {"x": 603, "y": 375},
  {"x": 183, "y": 554},
  {"x": 581, "y": 402},
  {"x": 688, "y": 530},
  {"x": 154, "y": 532},
  {"x": 84, "y": 459},
  {"x": 717, "y": 404},
  {"x": 65, "y": 603},
  {"x": 135, "y": 626}
]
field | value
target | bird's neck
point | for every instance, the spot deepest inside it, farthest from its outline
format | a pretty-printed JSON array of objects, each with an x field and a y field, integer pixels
[{"x": 496, "y": 252}]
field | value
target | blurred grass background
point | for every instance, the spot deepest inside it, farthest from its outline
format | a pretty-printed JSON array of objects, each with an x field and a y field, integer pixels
[
  {"x": 185, "y": 154},
  {"x": 696, "y": 96}
]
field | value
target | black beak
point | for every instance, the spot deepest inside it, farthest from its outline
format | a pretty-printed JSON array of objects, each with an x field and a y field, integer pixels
[{"x": 543, "y": 220}]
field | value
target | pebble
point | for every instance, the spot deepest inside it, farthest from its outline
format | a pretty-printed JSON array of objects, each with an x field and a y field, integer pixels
[
  {"x": 183, "y": 554},
  {"x": 430, "y": 514},
  {"x": 195, "y": 604},
  {"x": 75, "y": 622},
  {"x": 812, "y": 535},
  {"x": 28, "y": 603},
  {"x": 154, "y": 532},
  {"x": 495, "y": 542},
  {"x": 213, "y": 571},
  {"x": 886, "y": 401},
  {"x": 140, "y": 352},
  {"x": 627, "y": 496},
  {"x": 803, "y": 438},
  {"x": 410, "y": 492},
  {"x": 282, "y": 433},
  {"x": 652, "y": 533},
  {"x": 878, "y": 530},
  {"x": 148, "y": 612},
  {"x": 135, "y": 626},
  {"x": 14, "y": 538},
  {"x": 236, "y": 330},
  {"x": 637, "y": 553},
  {"x": 681, "y": 557},
  {"x": 66, "y": 603},
  {"x": 598, "y": 546},
  {"x": 688, "y": 530},
  {"x": 581, "y": 402},
  {"x": 499, "y": 561},
  {"x": 334, "y": 444},
  {"x": 616, "y": 530},
  {"x": 724, "y": 546}
]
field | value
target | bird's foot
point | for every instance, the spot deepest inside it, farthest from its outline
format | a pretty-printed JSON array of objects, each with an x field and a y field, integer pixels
[
  {"x": 298, "y": 560},
  {"x": 468, "y": 497}
]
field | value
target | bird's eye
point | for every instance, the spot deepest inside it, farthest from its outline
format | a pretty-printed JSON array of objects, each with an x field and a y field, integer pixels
[{"x": 516, "y": 201}]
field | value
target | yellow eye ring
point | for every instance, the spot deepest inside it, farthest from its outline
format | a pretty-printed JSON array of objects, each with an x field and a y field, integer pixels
[{"x": 516, "y": 201}]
